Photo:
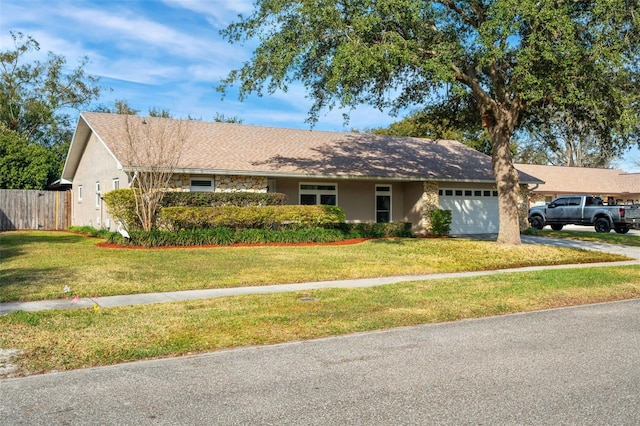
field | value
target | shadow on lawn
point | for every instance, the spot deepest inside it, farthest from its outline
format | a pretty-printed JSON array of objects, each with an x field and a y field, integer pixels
[
  {"x": 16, "y": 282},
  {"x": 12, "y": 244}
]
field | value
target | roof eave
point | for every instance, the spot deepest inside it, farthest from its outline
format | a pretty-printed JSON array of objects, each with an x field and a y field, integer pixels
[{"x": 272, "y": 174}]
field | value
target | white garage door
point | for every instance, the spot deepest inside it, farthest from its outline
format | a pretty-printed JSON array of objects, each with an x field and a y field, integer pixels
[{"x": 473, "y": 211}]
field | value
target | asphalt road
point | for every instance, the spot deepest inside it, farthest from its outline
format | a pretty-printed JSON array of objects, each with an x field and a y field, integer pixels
[{"x": 572, "y": 366}]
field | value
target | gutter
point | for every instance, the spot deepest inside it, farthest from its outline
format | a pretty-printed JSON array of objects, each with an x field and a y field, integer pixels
[{"x": 203, "y": 172}]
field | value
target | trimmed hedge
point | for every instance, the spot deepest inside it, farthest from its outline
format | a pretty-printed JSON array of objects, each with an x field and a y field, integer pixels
[
  {"x": 121, "y": 203},
  {"x": 216, "y": 199},
  {"x": 265, "y": 217}
]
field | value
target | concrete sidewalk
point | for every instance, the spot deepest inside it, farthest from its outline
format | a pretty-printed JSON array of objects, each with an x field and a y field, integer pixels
[{"x": 175, "y": 296}]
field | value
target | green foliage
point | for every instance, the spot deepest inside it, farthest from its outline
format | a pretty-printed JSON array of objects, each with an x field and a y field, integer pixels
[
  {"x": 186, "y": 237},
  {"x": 261, "y": 217},
  {"x": 376, "y": 230},
  {"x": 91, "y": 231},
  {"x": 120, "y": 106},
  {"x": 304, "y": 235},
  {"x": 121, "y": 204},
  {"x": 226, "y": 236},
  {"x": 23, "y": 164},
  {"x": 440, "y": 222},
  {"x": 456, "y": 119},
  {"x": 34, "y": 102},
  {"x": 214, "y": 199}
]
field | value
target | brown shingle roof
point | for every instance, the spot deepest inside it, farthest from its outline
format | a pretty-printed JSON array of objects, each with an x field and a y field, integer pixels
[
  {"x": 581, "y": 180},
  {"x": 213, "y": 147}
]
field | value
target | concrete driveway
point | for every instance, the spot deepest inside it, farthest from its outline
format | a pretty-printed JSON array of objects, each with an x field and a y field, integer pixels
[
  {"x": 634, "y": 232},
  {"x": 572, "y": 366}
]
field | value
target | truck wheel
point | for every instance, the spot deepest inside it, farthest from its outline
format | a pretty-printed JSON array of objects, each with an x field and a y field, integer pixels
[
  {"x": 622, "y": 229},
  {"x": 602, "y": 225},
  {"x": 536, "y": 222},
  {"x": 557, "y": 227}
]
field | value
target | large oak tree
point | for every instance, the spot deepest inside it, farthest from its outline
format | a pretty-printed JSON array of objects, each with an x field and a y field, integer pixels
[{"x": 510, "y": 55}]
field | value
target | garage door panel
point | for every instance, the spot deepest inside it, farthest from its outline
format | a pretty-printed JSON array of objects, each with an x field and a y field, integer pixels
[{"x": 472, "y": 215}]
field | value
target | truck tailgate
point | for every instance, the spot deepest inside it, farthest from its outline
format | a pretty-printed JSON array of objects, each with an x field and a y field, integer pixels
[{"x": 633, "y": 212}]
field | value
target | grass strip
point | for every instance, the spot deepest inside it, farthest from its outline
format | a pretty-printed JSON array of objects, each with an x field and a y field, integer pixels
[
  {"x": 71, "y": 339},
  {"x": 609, "y": 238}
]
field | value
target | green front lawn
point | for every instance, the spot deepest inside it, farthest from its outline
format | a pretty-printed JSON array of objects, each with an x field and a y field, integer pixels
[{"x": 39, "y": 265}]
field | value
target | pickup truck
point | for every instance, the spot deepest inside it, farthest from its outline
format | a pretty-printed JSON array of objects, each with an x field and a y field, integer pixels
[{"x": 585, "y": 210}]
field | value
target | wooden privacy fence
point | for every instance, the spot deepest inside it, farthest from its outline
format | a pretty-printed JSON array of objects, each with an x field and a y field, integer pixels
[{"x": 32, "y": 209}]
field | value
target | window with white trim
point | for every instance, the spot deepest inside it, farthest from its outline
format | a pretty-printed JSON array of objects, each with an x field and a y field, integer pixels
[
  {"x": 116, "y": 183},
  {"x": 383, "y": 203},
  {"x": 98, "y": 195},
  {"x": 319, "y": 193},
  {"x": 201, "y": 185}
]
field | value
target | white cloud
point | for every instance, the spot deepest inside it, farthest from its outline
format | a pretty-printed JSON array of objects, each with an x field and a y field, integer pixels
[{"x": 132, "y": 33}]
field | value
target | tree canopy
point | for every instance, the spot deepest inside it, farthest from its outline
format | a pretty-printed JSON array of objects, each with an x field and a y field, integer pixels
[
  {"x": 513, "y": 57},
  {"x": 23, "y": 164},
  {"x": 456, "y": 119},
  {"x": 36, "y": 102}
]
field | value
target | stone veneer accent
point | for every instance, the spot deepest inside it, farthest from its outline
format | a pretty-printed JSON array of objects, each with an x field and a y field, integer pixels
[
  {"x": 430, "y": 202},
  {"x": 240, "y": 184},
  {"x": 224, "y": 183}
]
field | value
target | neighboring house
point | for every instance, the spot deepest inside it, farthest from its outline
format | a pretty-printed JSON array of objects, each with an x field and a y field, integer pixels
[
  {"x": 612, "y": 185},
  {"x": 373, "y": 178}
]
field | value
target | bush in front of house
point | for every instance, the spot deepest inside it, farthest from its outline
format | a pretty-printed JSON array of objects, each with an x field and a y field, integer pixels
[
  {"x": 216, "y": 199},
  {"x": 440, "y": 222},
  {"x": 252, "y": 217},
  {"x": 121, "y": 205}
]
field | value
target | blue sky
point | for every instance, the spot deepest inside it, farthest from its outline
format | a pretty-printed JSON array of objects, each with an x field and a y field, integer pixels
[
  {"x": 164, "y": 54},
  {"x": 168, "y": 54}
]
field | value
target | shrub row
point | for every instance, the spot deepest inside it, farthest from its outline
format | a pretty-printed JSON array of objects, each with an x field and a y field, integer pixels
[
  {"x": 226, "y": 236},
  {"x": 376, "y": 230},
  {"x": 90, "y": 231},
  {"x": 266, "y": 217},
  {"x": 215, "y": 199}
]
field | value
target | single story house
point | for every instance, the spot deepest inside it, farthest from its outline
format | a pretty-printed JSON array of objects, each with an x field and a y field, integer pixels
[
  {"x": 612, "y": 185},
  {"x": 373, "y": 178}
]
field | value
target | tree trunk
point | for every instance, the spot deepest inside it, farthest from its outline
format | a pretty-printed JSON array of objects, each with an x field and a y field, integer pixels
[{"x": 507, "y": 184}]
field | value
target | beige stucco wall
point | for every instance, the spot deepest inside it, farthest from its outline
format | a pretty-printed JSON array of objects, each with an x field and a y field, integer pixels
[
  {"x": 356, "y": 197},
  {"x": 96, "y": 165}
]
